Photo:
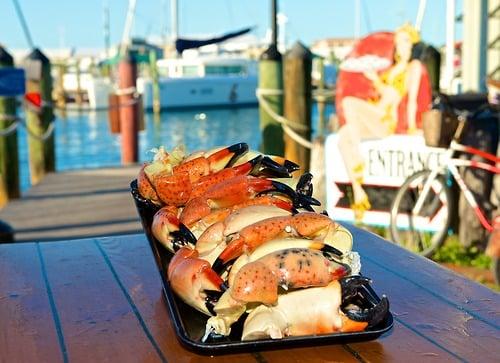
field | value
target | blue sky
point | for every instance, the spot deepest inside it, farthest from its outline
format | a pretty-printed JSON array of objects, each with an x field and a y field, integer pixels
[{"x": 80, "y": 23}]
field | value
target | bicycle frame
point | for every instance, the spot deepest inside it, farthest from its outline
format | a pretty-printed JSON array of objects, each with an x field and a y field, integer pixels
[{"x": 452, "y": 164}]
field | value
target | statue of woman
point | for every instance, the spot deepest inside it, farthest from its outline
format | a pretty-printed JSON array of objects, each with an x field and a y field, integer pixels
[{"x": 393, "y": 110}]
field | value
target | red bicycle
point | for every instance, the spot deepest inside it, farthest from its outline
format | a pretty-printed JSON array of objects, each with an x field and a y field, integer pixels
[{"x": 421, "y": 212}]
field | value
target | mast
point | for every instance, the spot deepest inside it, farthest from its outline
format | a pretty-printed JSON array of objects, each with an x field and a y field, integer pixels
[
  {"x": 450, "y": 44},
  {"x": 106, "y": 27},
  {"x": 128, "y": 26},
  {"x": 174, "y": 20},
  {"x": 420, "y": 14}
]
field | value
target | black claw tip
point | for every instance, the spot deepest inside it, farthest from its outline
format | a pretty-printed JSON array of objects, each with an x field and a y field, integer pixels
[
  {"x": 238, "y": 149},
  {"x": 291, "y": 166},
  {"x": 373, "y": 315},
  {"x": 332, "y": 250},
  {"x": 304, "y": 185},
  {"x": 265, "y": 166},
  {"x": 182, "y": 237},
  {"x": 298, "y": 200},
  {"x": 218, "y": 265}
]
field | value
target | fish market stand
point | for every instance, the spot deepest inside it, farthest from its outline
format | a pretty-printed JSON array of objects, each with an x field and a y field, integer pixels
[{"x": 101, "y": 299}]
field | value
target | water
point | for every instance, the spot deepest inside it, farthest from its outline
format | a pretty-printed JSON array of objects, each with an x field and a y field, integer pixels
[{"x": 83, "y": 139}]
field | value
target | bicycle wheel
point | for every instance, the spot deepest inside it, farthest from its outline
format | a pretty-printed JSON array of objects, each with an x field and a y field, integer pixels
[{"x": 425, "y": 232}]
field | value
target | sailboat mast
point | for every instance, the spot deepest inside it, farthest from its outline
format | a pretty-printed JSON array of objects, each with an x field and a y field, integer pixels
[
  {"x": 128, "y": 26},
  {"x": 106, "y": 27},
  {"x": 174, "y": 20}
]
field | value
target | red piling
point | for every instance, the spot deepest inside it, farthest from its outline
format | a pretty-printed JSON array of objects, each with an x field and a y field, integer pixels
[{"x": 129, "y": 125}]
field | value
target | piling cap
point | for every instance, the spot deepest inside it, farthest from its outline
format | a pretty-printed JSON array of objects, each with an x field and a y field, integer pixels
[
  {"x": 5, "y": 57},
  {"x": 299, "y": 50},
  {"x": 271, "y": 53},
  {"x": 36, "y": 54}
]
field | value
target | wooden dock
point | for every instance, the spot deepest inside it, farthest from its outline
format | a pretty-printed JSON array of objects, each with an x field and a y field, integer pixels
[{"x": 75, "y": 204}]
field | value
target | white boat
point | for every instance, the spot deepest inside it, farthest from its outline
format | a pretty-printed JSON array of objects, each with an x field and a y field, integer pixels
[{"x": 203, "y": 81}]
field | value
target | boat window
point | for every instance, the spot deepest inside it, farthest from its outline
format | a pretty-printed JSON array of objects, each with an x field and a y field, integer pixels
[
  {"x": 189, "y": 71},
  {"x": 233, "y": 69}
]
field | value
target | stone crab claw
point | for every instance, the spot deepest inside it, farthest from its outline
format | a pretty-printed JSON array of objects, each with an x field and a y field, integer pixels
[
  {"x": 169, "y": 231},
  {"x": 305, "y": 225},
  {"x": 313, "y": 311},
  {"x": 290, "y": 268},
  {"x": 342, "y": 237},
  {"x": 222, "y": 157},
  {"x": 171, "y": 176},
  {"x": 258, "y": 282},
  {"x": 213, "y": 240},
  {"x": 238, "y": 190},
  {"x": 193, "y": 280}
]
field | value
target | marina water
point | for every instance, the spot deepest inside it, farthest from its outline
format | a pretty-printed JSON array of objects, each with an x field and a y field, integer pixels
[{"x": 83, "y": 139}]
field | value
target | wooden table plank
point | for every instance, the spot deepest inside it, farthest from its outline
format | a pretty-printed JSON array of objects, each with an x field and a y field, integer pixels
[
  {"x": 132, "y": 260},
  {"x": 97, "y": 321},
  {"x": 427, "y": 275},
  {"x": 401, "y": 342},
  {"x": 27, "y": 329},
  {"x": 442, "y": 324},
  {"x": 430, "y": 308}
]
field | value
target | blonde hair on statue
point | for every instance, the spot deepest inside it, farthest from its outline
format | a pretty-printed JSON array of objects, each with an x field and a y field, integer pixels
[{"x": 411, "y": 31}]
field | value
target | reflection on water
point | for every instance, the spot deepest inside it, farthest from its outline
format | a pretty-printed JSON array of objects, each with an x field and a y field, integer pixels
[{"x": 83, "y": 139}]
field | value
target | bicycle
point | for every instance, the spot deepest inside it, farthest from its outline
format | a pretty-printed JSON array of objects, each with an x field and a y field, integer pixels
[{"x": 422, "y": 210}]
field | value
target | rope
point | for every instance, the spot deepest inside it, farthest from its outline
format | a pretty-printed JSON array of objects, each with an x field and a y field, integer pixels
[
  {"x": 126, "y": 91},
  {"x": 322, "y": 95},
  {"x": 45, "y": 135},
  {"x": 19, "y": 121},
  {"x": 285, "y": 123},
  {"x": 51, "y": 127},
  {"x": 9, "y": 129}
]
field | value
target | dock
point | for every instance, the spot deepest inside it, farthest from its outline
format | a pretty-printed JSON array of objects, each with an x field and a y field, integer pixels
[{"x": 75, "y": 204}]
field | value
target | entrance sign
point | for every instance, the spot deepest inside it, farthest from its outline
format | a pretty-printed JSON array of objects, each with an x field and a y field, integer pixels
[
  {"x": 12, "y": 82},
  {"x": 388, "y": 162}
]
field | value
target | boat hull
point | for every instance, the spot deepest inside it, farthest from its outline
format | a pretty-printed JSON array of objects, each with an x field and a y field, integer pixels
[{"x": 209, "y": 91}]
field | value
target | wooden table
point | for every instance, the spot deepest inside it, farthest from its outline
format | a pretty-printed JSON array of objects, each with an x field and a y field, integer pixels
[{"x": 101, "y": 299}]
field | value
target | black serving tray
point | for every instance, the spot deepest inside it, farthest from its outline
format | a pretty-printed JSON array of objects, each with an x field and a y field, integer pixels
[{"x": 189, "y": 324}]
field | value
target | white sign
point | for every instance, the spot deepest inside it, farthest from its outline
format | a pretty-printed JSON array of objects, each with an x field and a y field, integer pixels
[{"x": 388, "y": 162}]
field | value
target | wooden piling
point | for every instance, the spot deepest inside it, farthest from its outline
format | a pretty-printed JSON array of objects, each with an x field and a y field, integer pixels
[
  {"x": 9, "y": 160},
  {"x": 320, "y": 100},
  {"x": 297, "y": 81},
  {"x": 59, "y": 92},
  {"x": 129, "y": 125},
  {"x": 79, "y": 93},
  {"x": 271, "y": 78},
  {"x": 41, "y": 151},
  {"x": 155, "y": 81}
]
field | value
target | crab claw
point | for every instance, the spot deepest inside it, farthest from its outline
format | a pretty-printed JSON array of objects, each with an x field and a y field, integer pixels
[
  {"x": 169, "y": 231},
  {"x": 350, "y": 289},
  {"x": 306, "y": 224},
  {"x": 258, "y": 281},
  {"x": 194, "y": 281},
  {"x": 272, "y": 169},
  {"x": 227, "y": 156}
]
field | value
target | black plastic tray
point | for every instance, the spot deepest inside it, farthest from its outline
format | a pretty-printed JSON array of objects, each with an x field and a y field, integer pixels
[{"x": 189, "y": 324}]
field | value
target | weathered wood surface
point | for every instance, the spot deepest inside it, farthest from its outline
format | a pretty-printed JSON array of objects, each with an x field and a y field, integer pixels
[
  {"x": 75, "y": 204},
  {"x": 101, "y": 299}
]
